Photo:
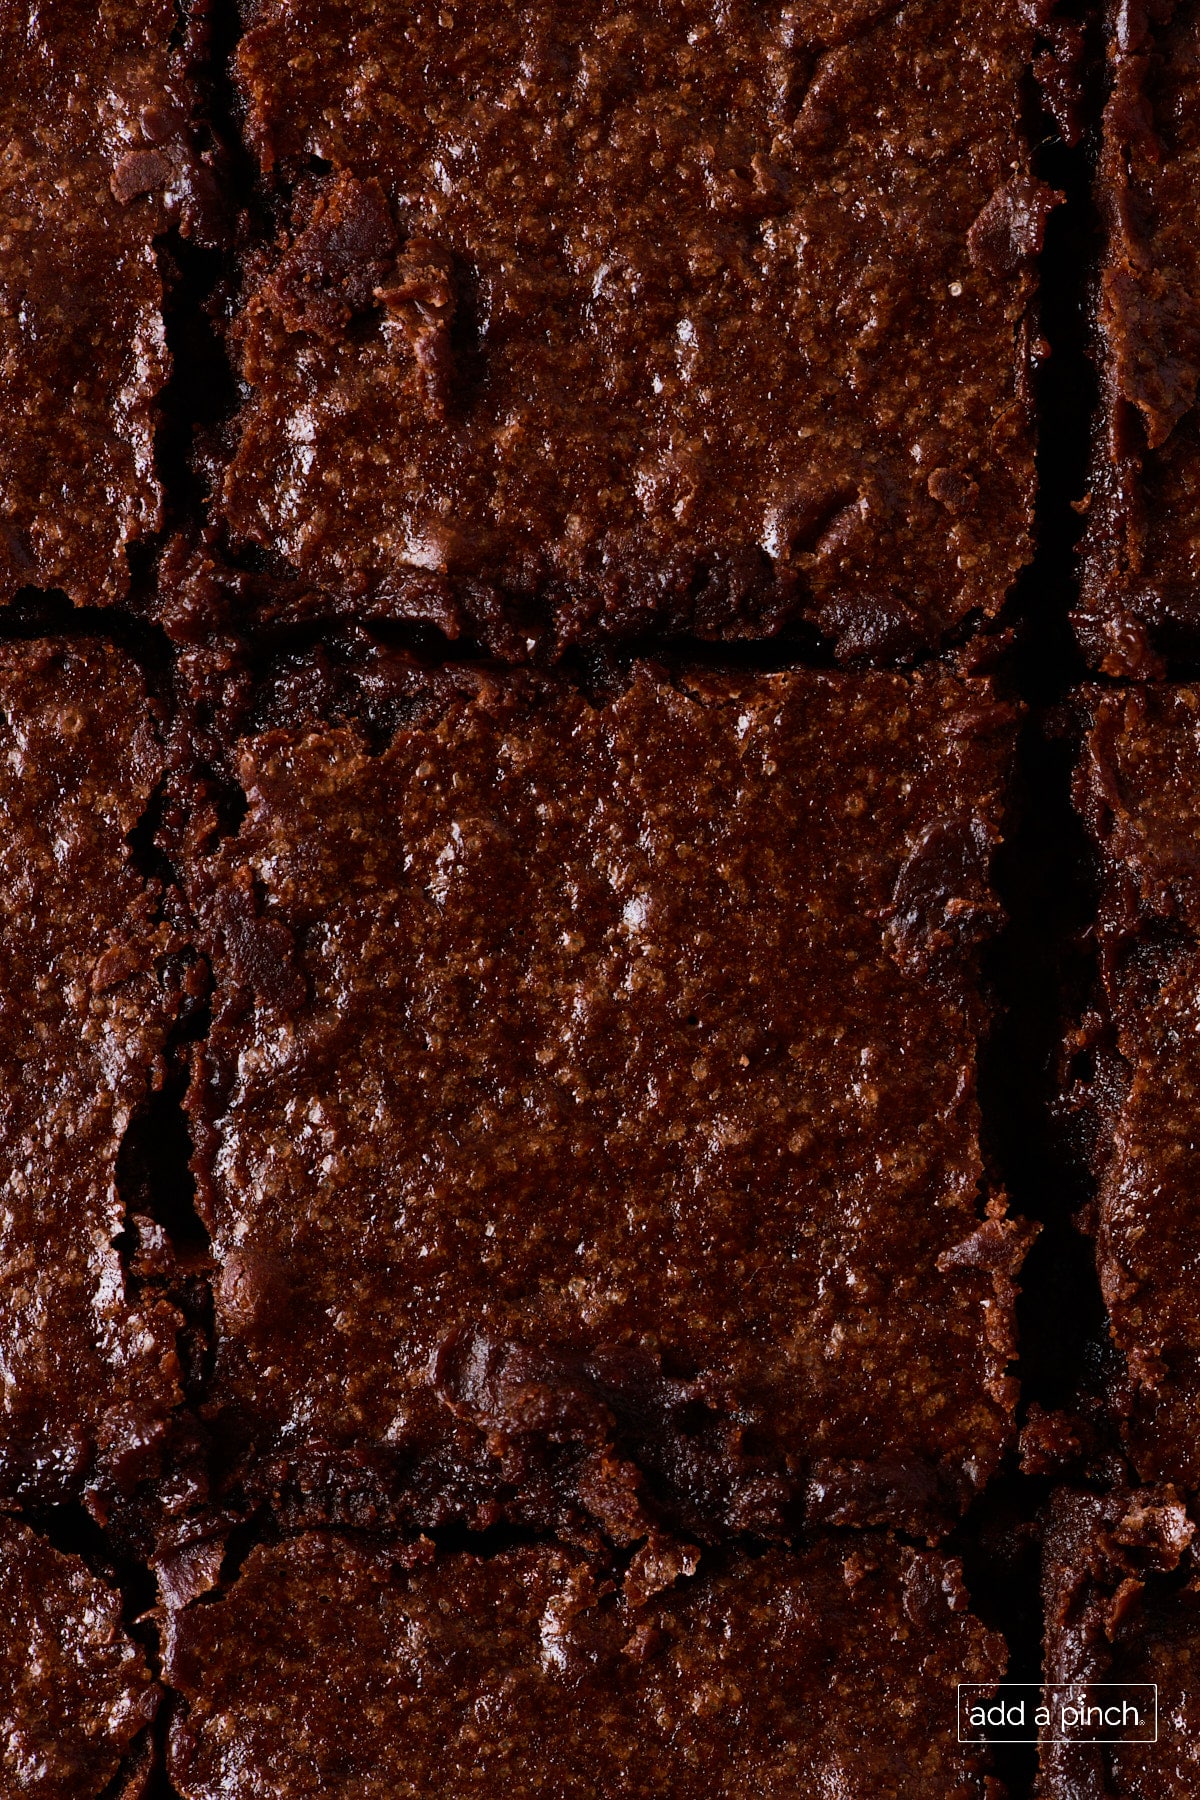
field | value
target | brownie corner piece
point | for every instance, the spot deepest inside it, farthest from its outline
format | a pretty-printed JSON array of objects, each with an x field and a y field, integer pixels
[
  {"x": 1138, "y": 788},
  {"x": 1121, "y": 1624},
  {"x": 1140, "y": 604},
  {"x": 99, "y": 153},
  {"x": 76, "y": 1696},
  {"x": 831, "y": 1670},
  {"x": 588, "y": 1116},
  {"x": 656, "y": 319},
  {"x": 90, "y": 1374}
]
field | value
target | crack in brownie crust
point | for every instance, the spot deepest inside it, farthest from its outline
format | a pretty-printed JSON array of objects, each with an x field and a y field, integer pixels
[
  {"x": 88, "y": 1371},
  {"x": 675, "y": 316},
  {"x": 813, "y": 1673},
  {"x": 75, "y": 1693},
  {"x": 603, "y": 1078}
]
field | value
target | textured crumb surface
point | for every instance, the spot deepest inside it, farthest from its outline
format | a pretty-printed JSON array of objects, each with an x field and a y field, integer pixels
[
  {"x": 1141, "y": 597},
  {"x": 1138, "y": 787},
  {"x": 75, "y": 1693},
  {"x": 682, "y": 316},
  {"x": 87, "y": 1365},
  {"x": 96, "y": 158},
  {"x": 813, "y": 1673},
  {"x": 602, "y": 1078},
  {"x": 1122, "y": 1605}
]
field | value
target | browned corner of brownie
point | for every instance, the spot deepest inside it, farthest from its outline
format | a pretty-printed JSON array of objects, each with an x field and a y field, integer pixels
[
  {"x": 99, "y": 155},
  {"x": 395, "y": 1672},
  {"x": 589, "y": 1118},
  {"x": 1122, "y": 1617},
  {"x": 87, "y": 996},
  {"x": 1141, "y": 600},
  {"x": 76, "y": 1697},
  {"x": 1138, "y": 787},
  {"x": 590, "y": 322}
]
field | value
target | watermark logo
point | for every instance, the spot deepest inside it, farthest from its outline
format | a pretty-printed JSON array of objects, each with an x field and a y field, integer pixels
[{"x": 1023, "y": 1712}]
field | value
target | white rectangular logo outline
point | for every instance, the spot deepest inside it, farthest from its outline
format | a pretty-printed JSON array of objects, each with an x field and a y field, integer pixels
[{"x": 1052, "y": 1687}]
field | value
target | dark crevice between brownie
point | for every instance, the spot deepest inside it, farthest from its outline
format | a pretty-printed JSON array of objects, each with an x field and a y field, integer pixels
[
  {"x": 1039, "y": 965},
  {"x": 202, "y": 392},
  {"x": 201, "y": 388},
  {"x": 41, "y": 612},
  {"x": 195, "y": 267}
]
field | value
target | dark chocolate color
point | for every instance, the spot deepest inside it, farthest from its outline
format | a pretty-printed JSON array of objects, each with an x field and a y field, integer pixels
[
  {"x": 1122, "y": 1604},
  {"x": 1138, "y": 788},
  {"x": 829, "y": 1672},
  {"x": 587, "y": 322},
  {"x": 1141, "y": 598},
  {"x": 96, "y": 159},
  {"x": 594, "y": 1085},
  {"x": 89, "y": 1374},
  {"x": 75, "y": 1694}
]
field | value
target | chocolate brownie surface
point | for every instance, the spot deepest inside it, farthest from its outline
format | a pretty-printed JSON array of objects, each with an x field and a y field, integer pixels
[
  {"x": 75, "y": 1693},
  {"x": 831, "y": 1671},
  {"x": 683, "y": 316},
  {"x": 602, "y": 1077},
  {"x": 1138, "y": 788},
  {"x": 96, "y": 158},
  {"x": 1140, "y": 595},
  {"x": 89, "y": 1374},
  {"x": 1122, "y": 1605}
]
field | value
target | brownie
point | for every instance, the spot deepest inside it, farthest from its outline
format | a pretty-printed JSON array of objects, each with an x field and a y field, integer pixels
[
  {"x": 1138, "y": 789},
  {"x": 97, "y": 159},
  {"x": 76, "y": 1697},
  {"x": 1122, "y": 1605},
  {"x": 88, "y": 1360},
  {"x": 1140, "y": 598},
  {"x": 683, "y": 318},
  {"x": 589, "y": 1106},
  {"x": 830, "y": 1671}
]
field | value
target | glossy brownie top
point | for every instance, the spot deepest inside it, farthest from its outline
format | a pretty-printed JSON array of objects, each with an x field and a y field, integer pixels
[
  {"x": 602, "y": 1076},
  {"x": 672, "y": 316},
  {"x": 89, "y": 1363},
  {"x": 96, "y": 157},
  {"x": 75, "y": 1693},
  {"x": 1122, "y": 1605},
  {"x": 1140, "y": 592},
  {"x": 1138, "y": 787},
  {"x": 828, "y": 1672}
]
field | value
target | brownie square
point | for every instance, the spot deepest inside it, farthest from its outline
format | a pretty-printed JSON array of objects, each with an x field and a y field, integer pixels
[
  {"x": 96, "y": 159},
  {"x": 89, "y": 1369},
  {"x": 1138, "y": 788},
  {"x": 1140, "y": 597},
  {"x": 76, "y": 1697},
  {"x": 593, "y": 321},
  {"x": 1122, "y": 1605},
  {"x": 589, "y": 1106},
  {"x": 830, "y": 1671}
]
